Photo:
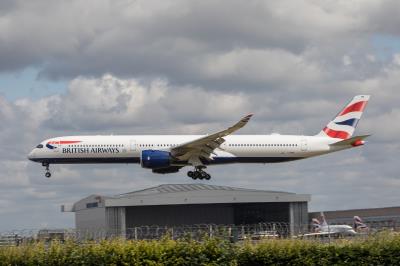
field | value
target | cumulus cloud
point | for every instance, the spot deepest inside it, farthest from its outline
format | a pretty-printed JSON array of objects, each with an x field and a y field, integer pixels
[
  {"x": 91, "y": 103},
  {"x": 105, "y": 101},
  {"x": 187, "y": 42},
  {"x": 262, "y": 67}
]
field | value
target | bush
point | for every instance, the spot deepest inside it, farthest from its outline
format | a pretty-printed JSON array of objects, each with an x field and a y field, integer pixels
[{"x": 380, "y": 250}]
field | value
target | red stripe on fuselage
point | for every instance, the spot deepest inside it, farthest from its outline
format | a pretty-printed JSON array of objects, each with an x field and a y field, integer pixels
[
  {"x": 336, "y": 134},
  {"x": 65, "y": 142},
  {"x": 355, "y": 107}
]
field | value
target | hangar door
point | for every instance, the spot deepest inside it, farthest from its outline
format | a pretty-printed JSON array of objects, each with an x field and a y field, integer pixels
[
  {"x": 179, "y": 214},
  {"x": 253, "y": 213}
]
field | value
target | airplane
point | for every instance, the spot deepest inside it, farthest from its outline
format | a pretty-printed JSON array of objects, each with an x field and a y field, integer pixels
[
  {"x": 165, "y": 154},
  {"x": 324, "y": 229}
]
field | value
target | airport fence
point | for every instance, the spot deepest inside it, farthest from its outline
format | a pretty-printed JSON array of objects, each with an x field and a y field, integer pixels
[{"x": 233, "y": 233}]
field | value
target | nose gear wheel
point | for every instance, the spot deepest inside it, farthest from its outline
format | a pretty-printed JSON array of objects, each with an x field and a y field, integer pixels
[{"x": 47, "y": 165}]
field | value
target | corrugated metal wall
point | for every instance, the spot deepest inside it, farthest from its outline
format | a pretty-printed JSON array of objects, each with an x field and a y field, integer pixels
[
  {"x": 179, "y": 215},
  {"x": 246, "y": 213},
  {"x": 299, "y": 217},
  {"x": 252, "y": 213},
  {"x": 87, "y": 219},
  {"x": 115, "y": 220}
]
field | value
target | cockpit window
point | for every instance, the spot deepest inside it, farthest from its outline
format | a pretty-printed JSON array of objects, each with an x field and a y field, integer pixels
[{"x": 39, "y": 146}]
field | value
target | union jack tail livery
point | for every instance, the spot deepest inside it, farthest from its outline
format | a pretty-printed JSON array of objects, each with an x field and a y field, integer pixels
[
  {"x": 316, "y": 225},
  {"x": 324, "y": 222},
  {"x": 344, "y": 124},
  {"x": 358, "y": 224}
]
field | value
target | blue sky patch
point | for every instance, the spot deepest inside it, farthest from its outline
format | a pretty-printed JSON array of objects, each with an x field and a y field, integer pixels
[{"x": 28, "y": 84}]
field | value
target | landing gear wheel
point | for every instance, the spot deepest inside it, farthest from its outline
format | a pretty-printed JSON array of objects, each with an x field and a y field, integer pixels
[
  {"x": 47, "y": 165},
  {"x": 199, "y": 173},
  {"x": 203, "y": 175},
  {"x": 196, "y": 175}
]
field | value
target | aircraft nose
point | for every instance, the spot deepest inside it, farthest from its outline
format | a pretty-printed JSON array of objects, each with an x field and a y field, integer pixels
[{"x": 31, "y": 155}]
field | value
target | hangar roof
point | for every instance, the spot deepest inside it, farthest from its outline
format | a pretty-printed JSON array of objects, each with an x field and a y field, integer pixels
[
  {"x": 171, "y": 194},
  {"x": 175, "y": 194},
  {"x": 173, "y": 188}
]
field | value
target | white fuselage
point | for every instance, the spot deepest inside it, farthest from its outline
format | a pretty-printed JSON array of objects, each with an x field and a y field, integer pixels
[
  {"x": 341, "y": 229},
  {"x": 128, "y": 149}
]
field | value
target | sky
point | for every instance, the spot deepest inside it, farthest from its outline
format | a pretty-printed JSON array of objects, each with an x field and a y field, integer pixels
[{"x": 183, "y": 67}]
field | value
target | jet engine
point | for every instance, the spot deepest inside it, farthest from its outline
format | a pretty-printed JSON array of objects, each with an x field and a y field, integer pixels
[{"x": 154, "y": 159}]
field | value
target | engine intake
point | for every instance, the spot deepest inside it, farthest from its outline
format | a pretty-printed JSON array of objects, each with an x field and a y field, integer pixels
[{"x": 154, "y": 159}]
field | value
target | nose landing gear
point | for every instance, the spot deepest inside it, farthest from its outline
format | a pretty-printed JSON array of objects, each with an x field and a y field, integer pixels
[
  {"x": 198, "y": 173},
  {"x": 47, "y": 165}
]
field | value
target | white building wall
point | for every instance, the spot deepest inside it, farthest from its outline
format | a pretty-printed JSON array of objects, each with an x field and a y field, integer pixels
[{"x": 90, "y": 219}]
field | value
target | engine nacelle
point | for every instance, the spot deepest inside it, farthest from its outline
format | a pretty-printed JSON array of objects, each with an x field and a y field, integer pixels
[{"x": 154, "y": 159}]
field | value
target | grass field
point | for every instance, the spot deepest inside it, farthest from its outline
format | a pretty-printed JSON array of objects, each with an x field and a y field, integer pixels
[{"x": 382, "y": 249}]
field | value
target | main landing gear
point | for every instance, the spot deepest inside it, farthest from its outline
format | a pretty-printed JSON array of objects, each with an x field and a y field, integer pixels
[
  {"x": 47, "y": 165},
  {"x": 198, "y": 173}
]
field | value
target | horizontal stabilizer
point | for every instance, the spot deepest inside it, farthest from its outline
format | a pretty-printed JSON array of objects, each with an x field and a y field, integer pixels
[{"x": 354, "y": 141}]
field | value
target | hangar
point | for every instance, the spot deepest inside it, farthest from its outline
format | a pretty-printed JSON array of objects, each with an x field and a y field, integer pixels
[{"x": 189, "y": 204}]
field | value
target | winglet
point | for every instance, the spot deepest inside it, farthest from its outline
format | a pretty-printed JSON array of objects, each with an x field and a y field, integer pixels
[
  {"x": 241, "y": 123},
  {"x": 246, "y": 118}
]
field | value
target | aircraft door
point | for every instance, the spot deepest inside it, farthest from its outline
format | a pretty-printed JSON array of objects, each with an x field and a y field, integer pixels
[
  {"x": 303, "y": 145},
  {"x": 132, "y": 145}
]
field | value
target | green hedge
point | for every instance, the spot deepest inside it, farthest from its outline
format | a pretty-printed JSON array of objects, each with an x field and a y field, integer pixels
[
  {"x": 381, "y": 250},
  {"x": 372, "y": 251}
]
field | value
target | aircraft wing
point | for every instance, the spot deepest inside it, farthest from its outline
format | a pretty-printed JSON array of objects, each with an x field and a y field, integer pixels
[
  {"x": 203, "y": 147},
  {"x": 319, "y": 234}
]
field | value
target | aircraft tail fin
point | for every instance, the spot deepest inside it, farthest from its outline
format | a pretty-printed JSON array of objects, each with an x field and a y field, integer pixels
[
  {"x": 358, "y": 224},
  {"x": 315, "y": 224},
  {"x": 324, "y": 222},
  {"x": 345, "y": 122}
]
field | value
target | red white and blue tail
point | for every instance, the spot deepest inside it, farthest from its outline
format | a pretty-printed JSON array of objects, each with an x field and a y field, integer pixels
[
  {"x": 344, "y": 124},
  {"x": 358, "y": 224},
  {"x": 323, "y": 219},
  {"x": 316, "y": 225}
]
